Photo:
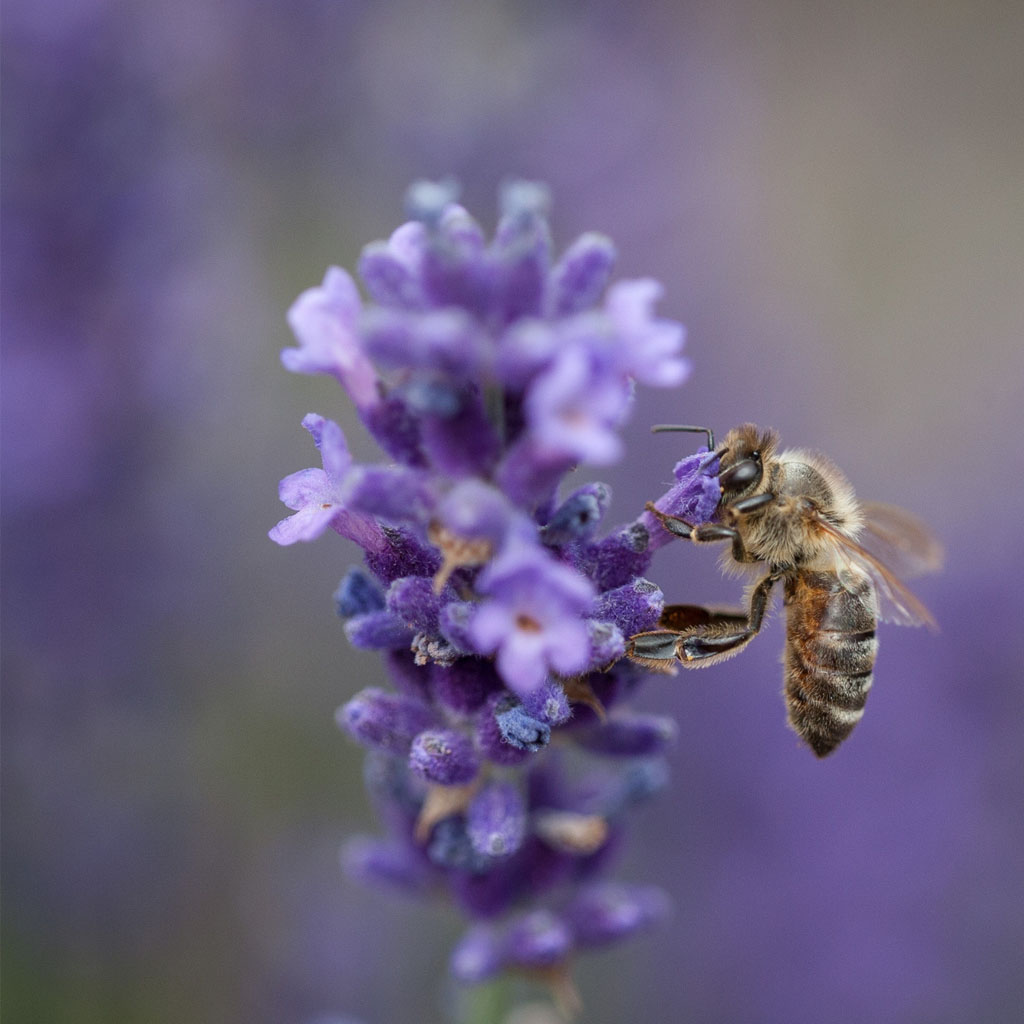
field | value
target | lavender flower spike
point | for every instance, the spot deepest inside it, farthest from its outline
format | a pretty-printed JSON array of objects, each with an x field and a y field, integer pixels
[{"x": 501, "y": 603}]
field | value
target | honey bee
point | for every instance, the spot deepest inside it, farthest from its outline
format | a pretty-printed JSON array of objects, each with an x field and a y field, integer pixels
[{"x": 795, "y": 513}]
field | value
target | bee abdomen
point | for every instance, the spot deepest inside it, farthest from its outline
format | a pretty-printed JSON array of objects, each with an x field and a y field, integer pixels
[{"x": 830, "y": 656}]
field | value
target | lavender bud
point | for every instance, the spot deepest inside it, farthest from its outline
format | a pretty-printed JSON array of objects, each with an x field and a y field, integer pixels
[
  {"x": 357, "y": 594},
  {"x": 496, "y": 820},
  {"x": 480, "y": 954},
  {"x": 444, "y": 756},
  {"x": 395, "y": 493},
  {"x": 384, "y": 720},
  {"x": 582, "y": 273},
  {"x": 427, "y": 200},
  {"x": 538, "y": 939},
  {"x": 518, "y": 728},
  {"x": 630, "y": 736},
  {"x": 455, "y": 621},
  {"x": 605, "y": 912},
  {"x": 378, "y": 631},
  {"x": 607, "y": 644},
  {"x": 413, "y": 601},
  {"x": 449, "y": 847},
  {"x": 633, "y": 607},
  {"x": 548, "y": 703},
  {"x": 578, "y": 516},
  {"x": 616, "y": 559},
  {"x": 464, "y": 685},
  {"x": 395, "y": 864}
]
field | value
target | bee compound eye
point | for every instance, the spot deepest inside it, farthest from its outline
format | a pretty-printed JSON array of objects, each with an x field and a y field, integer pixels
[{"x": 740, "y": 475}]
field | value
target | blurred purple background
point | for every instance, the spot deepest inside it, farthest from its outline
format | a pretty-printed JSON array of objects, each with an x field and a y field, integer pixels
[{"x": 833, "y": 199}]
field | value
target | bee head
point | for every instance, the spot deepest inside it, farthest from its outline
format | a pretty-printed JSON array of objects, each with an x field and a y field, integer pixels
[{"x": 742, "y": 459}]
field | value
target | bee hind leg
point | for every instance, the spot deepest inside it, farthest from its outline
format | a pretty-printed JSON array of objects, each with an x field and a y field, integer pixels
[{"x": 697, "y": 636}]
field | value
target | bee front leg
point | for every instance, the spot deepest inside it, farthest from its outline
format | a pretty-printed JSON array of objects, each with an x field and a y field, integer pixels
[{"x": 703, "y": 533}]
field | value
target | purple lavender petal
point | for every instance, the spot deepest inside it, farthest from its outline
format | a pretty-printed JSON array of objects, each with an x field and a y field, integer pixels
[
  {"x": 464, "y": 442},
  {"x": 573, "y": 408},
  {"x": 391, "y": 270},
  {"x": 455, "y": 270},
  {"x": 606, "y": 912},
  {"x": 395, "y": 428},
  {"x": 324, "y": 322},
  {"x": 521, "y": 253},
  {"x": 524, "y": 350},
  {"x": 447, "y": 340},
  {"x": 445, "y": 757},
  {"x": 529, "y": 473},
  {"x": 496, "y": 820},
  {"x": 476, "y": 510},
  {"x": 581, "y": 275},
  {"x": 650, "y": 347},
  {"x": 385, "y": 721},
  {"x": 394, "y": 493}
]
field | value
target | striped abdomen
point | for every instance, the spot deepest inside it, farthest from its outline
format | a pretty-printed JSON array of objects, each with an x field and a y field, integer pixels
[{"x": 830, "y": 654}]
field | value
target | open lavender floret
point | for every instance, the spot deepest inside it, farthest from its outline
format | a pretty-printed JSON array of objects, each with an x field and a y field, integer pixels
[{"x": 503, "y": 762}]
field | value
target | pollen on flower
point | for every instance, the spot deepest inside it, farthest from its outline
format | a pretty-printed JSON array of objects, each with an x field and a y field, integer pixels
[{"x": 487, "y": 370}]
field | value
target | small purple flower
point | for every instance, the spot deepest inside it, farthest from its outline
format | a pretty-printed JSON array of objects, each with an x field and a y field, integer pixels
[
  {"x": 532, "y": 622},
  {"x": 574, "y": 408},
  {"x": 651, "y": 350},
  {"x": 318, "y": 495},
  {"x": 324, "y": 320}
]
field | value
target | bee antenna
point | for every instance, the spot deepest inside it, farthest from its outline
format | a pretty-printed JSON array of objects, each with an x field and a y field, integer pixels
[{"x": 662, "y": 428}]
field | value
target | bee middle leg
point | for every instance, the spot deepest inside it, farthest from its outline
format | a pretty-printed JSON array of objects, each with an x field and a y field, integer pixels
[
  {"x": 696, "y": 636},
  {"x": 708, "y": 533}
]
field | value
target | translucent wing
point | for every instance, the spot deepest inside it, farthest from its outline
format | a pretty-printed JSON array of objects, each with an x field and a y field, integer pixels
[
  {"x": 895, "y": 602},
  {"x": 899, "y": 540}
]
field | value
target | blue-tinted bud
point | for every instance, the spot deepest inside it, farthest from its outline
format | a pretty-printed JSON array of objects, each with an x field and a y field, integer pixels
[
  {"x": 578, "y": 516},
  {"x": 427, "y": 200},
  {"x": 519, "y": 728},
  {"x": 449, "y": 847},
  {"x": 357, "y": 594}
]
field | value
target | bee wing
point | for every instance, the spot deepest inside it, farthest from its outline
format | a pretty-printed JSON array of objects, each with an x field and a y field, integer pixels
[
  {"x": 899, "y": 540},
  {"x": 895, "y": 602}
]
